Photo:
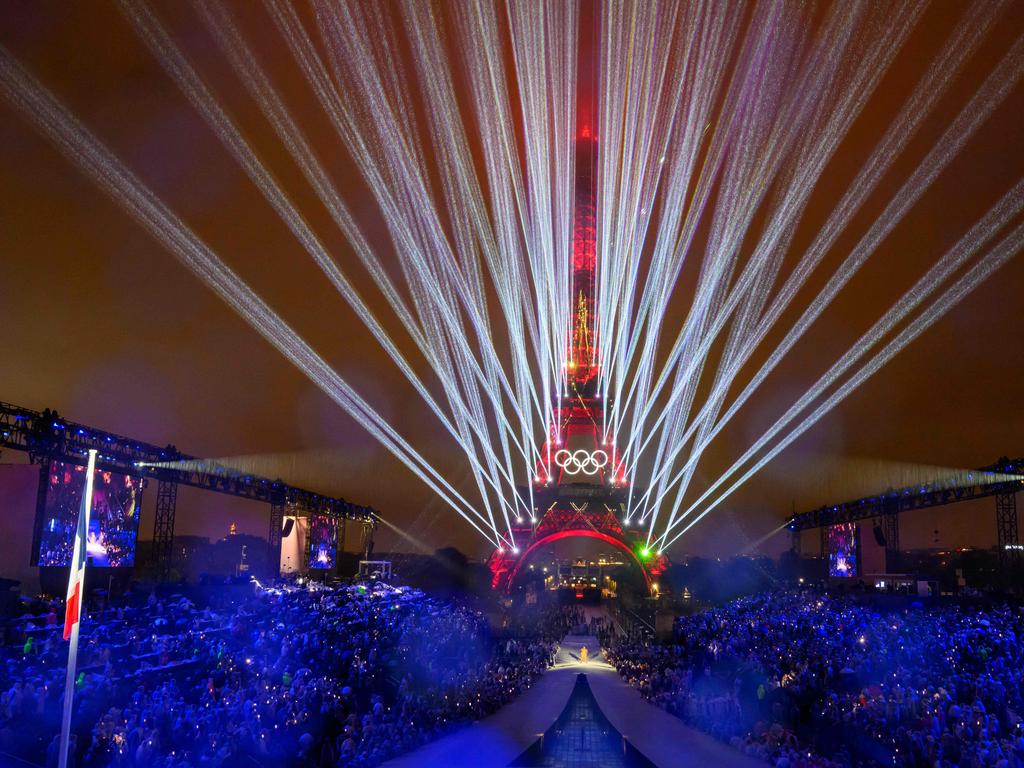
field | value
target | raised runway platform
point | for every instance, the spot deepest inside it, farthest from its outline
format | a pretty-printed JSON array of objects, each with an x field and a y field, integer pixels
[{"x": 498, "y": 740}]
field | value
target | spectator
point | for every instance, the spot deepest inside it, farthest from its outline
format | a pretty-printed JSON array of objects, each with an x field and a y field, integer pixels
[
  {"x": 802, "y": 679},
  {"x": 301, "y": 677}
]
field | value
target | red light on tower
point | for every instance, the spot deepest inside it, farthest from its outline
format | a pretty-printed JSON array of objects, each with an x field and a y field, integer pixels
[{"x": 579, "y": 474}]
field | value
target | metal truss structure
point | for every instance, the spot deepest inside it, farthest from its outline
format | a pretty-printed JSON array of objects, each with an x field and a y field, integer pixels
[
  {"x": 1007, "y": 534},
  {"x": 45, "y": 436},
  {"x": 163, "y": 523},
  {"x": 976, "y": 484},
  {"x": 1001, "y": 479}
]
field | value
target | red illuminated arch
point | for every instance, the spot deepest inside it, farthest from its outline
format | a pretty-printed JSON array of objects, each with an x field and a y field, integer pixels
[{"x": 578, "y": 533}]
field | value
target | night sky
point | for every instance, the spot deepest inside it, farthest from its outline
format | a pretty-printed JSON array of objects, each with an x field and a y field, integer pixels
[{"x": 101, "y": 323}]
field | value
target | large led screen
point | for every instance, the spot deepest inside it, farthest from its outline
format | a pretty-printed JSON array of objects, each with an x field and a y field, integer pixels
[
  {"x": 113, "y": 521},
  {"x": 842, "y": 550},
  {"x": 323, "y": 542}
]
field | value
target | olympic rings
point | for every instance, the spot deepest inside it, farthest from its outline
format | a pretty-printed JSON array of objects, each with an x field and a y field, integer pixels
[{"x": 581, "y": 461}]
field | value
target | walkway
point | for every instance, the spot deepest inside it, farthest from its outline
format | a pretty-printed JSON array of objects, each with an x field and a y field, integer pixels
[
  {"x": 582, "y": 737},
  {"x": 496, "y": 741}
]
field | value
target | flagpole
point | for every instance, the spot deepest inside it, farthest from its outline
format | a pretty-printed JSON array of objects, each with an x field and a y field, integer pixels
[{"x": 78, "y": 556}]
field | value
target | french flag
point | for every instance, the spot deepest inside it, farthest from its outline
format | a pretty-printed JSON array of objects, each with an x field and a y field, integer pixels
[{"x": 76, "y": 579}]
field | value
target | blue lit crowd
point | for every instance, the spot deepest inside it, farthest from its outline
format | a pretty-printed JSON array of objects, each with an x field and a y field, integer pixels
[
  {"x": 292, "y": 677},
  {"x": 805, "y": 680}
]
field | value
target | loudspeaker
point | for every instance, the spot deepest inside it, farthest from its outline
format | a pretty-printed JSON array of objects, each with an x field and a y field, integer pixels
[
  {"x": 288, "y": 525},
  {"x": 879, "y": 536}
]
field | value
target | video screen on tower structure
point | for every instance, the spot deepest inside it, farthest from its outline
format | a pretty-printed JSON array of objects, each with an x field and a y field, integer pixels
[
  {"x": 323, "y": 542},
  {"x": 113, "y": 520},
  {"x": 842, "y": 550}
]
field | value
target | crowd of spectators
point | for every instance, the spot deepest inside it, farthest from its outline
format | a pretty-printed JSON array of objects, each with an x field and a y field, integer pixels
[
  {"x": 293, "y": 677},
  {"x": 546, "y": 623},
  {"x": 352, "y": 676},
  {"x": 803, "y": 679}
]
